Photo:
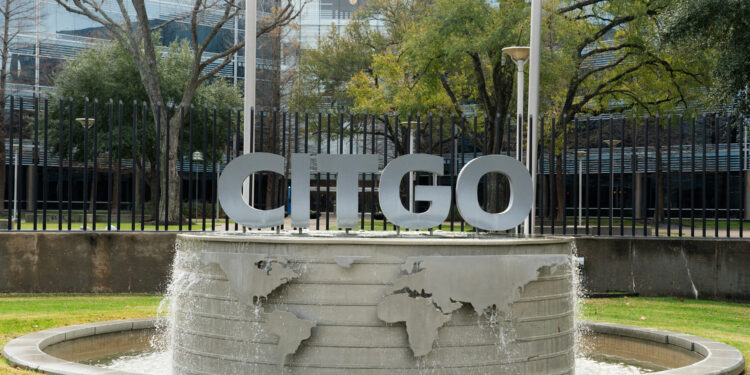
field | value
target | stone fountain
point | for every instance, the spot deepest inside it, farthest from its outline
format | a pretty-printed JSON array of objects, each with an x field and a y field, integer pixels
[
  {"x": 366, "y": 304},
  {"x": 321, "y": 303}
]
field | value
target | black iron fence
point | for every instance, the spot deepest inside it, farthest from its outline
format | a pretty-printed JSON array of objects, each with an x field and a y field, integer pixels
[{"x": 112, "y": 166}]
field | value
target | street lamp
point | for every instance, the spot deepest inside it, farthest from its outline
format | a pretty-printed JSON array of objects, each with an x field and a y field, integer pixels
[
  {"x": 534, "y": 73},
  {"x": 519, "y": 55}
]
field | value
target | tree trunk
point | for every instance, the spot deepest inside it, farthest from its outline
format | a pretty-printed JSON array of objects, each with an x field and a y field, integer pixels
[{"x": 169, "y": 178}]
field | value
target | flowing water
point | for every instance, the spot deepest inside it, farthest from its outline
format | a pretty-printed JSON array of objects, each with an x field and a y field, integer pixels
[{"x": 158, "y": 363}]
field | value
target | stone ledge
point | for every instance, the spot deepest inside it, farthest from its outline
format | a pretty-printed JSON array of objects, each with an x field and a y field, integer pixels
[
  {"x": 28, "y": 351},
  {"x": 718, "y": 358}
]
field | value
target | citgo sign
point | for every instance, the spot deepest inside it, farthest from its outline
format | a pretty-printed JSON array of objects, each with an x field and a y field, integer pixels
[{"x": 347, "y": 169}]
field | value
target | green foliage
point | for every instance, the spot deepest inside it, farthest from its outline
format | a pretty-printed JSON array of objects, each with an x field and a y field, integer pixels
[
  {"x": 720, "y": 28},
  {"x": 108, "y": 73}
]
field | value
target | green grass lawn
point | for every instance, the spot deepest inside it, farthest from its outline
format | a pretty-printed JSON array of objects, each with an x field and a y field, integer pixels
[{"x": 725, "y": 322}]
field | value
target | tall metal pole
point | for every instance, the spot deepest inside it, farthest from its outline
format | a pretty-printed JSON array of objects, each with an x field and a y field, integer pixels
[
  {"x": 519, "y": 108},
  {"x": 250, "y": 62},
  {"x": 534, "y": 69}
]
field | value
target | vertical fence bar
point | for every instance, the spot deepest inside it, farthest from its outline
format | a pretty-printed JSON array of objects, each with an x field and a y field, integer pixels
[
  {"x": 11, "y": 176},
  {"x": 31, "y": 202},
  {"x": 274, "y": 144},
  {"x": 134, "y": 154},
  {"x": 86, "y": 163},
  {"x": 237, "y": 134},
  {"x": 60, "y": 132},
  {"x": 190, "y": 167},
  {"x": 453, "y": 166},
  {"x": 681, "y": 128},
  {"x": 728, "y": 129},
  {"x": 716, "y": 174},
  {"x": 599, "y": 179},
  {"x": 668, "y": 195},
  {"x": 228, "y": 157},
  {"x": 645, "y": 194},
  {"x": 109, "y": 171},
  {"x": 743, "y": 169},
  {"x": 587, "y": 183},
  {"x": 214, "y": 173},
  {"x": 373, "y": 197},
  {"x": 70, "y": 163},
  {"x": 463, "y": 157},
  {"x": 622, "y": 175},
  {"x": 95, "y": 158},
  {"x": 45, "y": 178},
  {"x": 156, "y": 197},
  {"x": 658, "y": 174},
  {"x": 586, "y": 193},
  {"x": 284, "y": 190},
  {"x": 576, "y": 180},
  {"x": 19, "y": 164},
  {"x": 440, "y": 148},
  {"x": 564, "y": 152},
  {"x": 704, "y": 190},
  {"x": 553, "y": 175},
  {"x": 540, "y": 175},
  {"x": 692, "y": 177},
  {"x": 119, "y": 164},
  {"x": 634, "y": 167},
  {"x": 611, "y": 173},
  {"x": 143, "y": 160},
  {"x": 204, "y": 142},
  {"x": 364, "y": 175},
  {"x": 317, "y": 175},
  {"x": 180, "y": 172},
  {"x": 328, "y": 175}
]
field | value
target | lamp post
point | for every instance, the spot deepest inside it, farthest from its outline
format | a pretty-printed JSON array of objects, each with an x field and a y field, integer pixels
[
  {"x": 534, "y": 70},
  {"x": 250, "y": 62},
  {"x": 519, "y": 55}
]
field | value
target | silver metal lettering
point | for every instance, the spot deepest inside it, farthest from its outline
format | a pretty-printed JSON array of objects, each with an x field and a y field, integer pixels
[
  {"x": 347, "y": 168},
  {"x": 230, "y": 190},
  {"x": 521, "y": 190},
  {"x": 438, "y": 196}
]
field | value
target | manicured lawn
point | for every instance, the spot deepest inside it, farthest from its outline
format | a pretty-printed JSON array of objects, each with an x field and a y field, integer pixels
[{"x": 726, "y": 322}]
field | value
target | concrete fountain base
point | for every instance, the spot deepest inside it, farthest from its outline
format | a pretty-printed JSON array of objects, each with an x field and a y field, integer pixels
[{"x": 366, "y": 304}]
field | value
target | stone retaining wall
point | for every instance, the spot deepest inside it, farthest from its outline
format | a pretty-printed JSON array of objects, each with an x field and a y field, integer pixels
[
  {"x": 140, "y": 262},
  {"x": 85, "y": 262}
]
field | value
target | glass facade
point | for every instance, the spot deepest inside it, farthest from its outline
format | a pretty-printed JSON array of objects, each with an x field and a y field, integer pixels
[{"x": 41, "y": 48}]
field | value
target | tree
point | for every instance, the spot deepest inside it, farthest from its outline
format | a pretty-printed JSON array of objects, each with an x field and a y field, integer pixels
[
  {"x": 722, "y": 28},
  {"x": 603, "y": 57},
  {"x": 108, "y": 71},
  {"x": 17, "y": 17},
  {"x": 135, "y": 34}
]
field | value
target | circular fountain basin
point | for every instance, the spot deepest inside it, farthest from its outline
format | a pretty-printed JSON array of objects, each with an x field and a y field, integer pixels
[
  {"x": 60, "y": 350},
  {"x": 323, "y": 303}
]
